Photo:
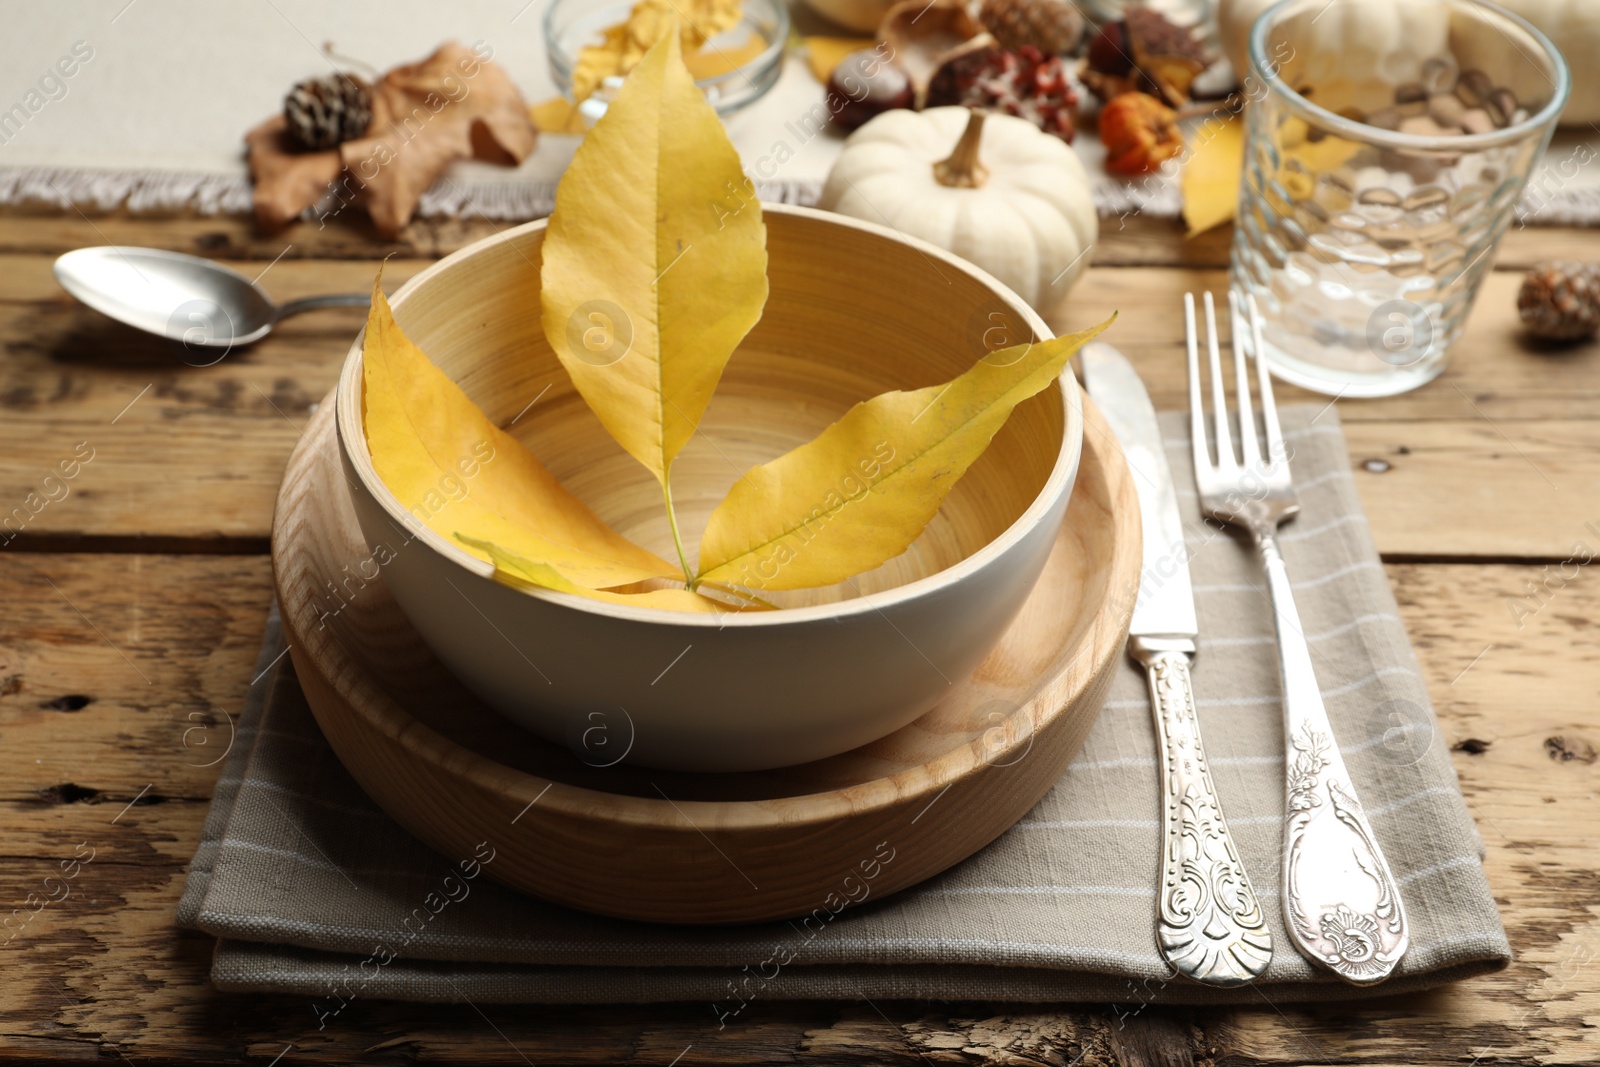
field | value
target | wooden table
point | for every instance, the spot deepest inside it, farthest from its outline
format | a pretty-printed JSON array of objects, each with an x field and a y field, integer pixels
[{"x": 133, "y": 608}]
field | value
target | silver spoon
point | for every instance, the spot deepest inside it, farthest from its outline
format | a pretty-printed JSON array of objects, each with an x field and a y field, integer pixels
[{"x": 185, "y": 298}]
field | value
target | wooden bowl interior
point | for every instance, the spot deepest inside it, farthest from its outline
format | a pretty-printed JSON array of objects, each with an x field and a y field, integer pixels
[{"x": 852, "y": 313}]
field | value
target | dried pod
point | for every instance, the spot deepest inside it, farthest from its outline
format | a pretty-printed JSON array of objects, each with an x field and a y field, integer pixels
[
  {"x": 1148, "y": 53},
  {"x": 1025, "y": 83},
  {"x": 922, "y": 35}
]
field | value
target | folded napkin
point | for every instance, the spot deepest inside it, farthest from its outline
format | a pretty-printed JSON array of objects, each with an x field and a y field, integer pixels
[{"x": 313, "y": 890}]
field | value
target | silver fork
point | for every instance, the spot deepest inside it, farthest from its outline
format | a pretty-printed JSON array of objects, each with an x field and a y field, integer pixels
[{"x": 1340, "y": 901}]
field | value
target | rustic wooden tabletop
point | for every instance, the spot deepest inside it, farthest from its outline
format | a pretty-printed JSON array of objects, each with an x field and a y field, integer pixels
[{"x": 132, "y": 605}]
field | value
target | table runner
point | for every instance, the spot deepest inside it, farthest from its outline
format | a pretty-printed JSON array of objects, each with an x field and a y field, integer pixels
[
  {"x": 308, "y": 885},
  {"x": 154, "y": 119}
]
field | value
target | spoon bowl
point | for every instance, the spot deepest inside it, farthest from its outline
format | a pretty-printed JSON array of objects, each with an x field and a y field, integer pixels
[{"x": 187, "y": 299}]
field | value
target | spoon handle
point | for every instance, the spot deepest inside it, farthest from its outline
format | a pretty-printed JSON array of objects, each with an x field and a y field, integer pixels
[{"x": 313, "y": 303}]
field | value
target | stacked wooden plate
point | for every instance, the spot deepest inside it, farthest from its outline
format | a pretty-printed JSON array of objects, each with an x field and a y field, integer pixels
[{"x": 707, "y": 848}]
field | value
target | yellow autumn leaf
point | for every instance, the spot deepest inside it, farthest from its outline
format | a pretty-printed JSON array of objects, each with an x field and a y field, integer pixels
[
  {"x": 623, "y": 46},
  {"x": 825, "y": 53},
  {"x": 454, "y": 470},
  {"x": 598, "y": 62},
  {"x": 654, "y": 262},
  {"x": 1210, "y": 179},
  {"x": 557, "y": 115},
  {"x": 519, "y": 571},
  {"x": 862, "y": 491},
  {"x": 713, "y": 62},
  {"x": 1328, "y": 154},
  {"x": 560, "y": 115},
  {"x": 697, "y": 21}
]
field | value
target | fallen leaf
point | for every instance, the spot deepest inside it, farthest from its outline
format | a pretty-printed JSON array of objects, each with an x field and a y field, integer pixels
[
  {"x": 453, "y": 105},
  {"x": 558, "y": 115},
  {"x": 713, "y": 62},
  {"x": 287, "y": 179},
  {"x": 825, "y": 53},
  {"x": 864, "y": 489},
  {"x": 624, "y": 45},
  {"x": 1328, "y": 154},
  {"x": 519, "y": 571},
  {"x": 465, "y": 478},
  {"x": 598, "y": 62},
  {"x": 1210, "y": 179},
  {"x": 655, "y": 262}
]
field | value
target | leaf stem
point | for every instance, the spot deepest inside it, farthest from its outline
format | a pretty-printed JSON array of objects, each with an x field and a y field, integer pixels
[{"x": 677, "y": 538}]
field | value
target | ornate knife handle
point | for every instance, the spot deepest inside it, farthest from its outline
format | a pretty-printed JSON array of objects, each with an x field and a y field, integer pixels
[
  {"x": 1208, "y": 921},
  {"x": 1340, "y": 900}
]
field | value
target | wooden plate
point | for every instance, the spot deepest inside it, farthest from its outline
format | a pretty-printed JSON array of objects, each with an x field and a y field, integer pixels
[{"x": 708, "y": 848}]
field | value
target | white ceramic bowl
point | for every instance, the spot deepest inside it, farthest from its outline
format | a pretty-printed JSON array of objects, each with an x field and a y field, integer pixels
[{"x": 854, "y": 310}]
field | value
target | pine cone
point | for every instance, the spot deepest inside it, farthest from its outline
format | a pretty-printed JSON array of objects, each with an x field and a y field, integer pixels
[
  {"x": 326, "y": 112},
  {"x": 1024, "y": 83},
  {"x": 1051, "y": 26},
  {"x": 1560, "y": 301}
]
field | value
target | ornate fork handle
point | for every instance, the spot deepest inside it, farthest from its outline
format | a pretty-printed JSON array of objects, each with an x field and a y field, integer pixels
[
  {"x": 1340, "y": 900},
  {"x": 1208, "y": 921}
]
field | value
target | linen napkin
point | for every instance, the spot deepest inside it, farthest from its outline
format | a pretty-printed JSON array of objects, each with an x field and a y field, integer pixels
[{"x": 313, "y": 890}]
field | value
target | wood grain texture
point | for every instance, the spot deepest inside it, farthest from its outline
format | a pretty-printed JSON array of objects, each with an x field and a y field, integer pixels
[
  {"x": 104, "y": 975},
  {"x": 106, "y": 971},
  {"x": 454, "y": 773},
  {"x": 1505, "y": 422},
  {"x": 1132, "y": 240}
]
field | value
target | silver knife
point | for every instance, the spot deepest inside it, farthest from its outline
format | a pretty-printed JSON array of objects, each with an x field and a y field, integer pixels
[{"x": 1208, "y": 921}]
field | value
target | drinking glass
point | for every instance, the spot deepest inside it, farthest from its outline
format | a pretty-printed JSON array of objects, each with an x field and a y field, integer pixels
[
  {"x": 1366, "y": 221},
  {"x": 757, "y": 41}
]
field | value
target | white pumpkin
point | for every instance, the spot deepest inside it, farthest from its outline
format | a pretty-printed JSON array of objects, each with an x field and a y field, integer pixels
[
  {"x": 1388, "y": 40},
  {"x": 995, "y": 190},
  {"x": 1574, "y": 27},
  {"x": 1358, "y": 42}
]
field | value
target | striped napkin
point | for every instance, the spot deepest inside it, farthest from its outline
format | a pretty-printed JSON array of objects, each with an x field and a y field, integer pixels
[{"x": 311, "y": 889}]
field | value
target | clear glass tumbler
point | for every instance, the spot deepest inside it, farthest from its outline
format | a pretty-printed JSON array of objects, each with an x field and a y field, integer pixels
[
  {"x": 1387, "y": 143},
  {"x": 740, "y": 65}
]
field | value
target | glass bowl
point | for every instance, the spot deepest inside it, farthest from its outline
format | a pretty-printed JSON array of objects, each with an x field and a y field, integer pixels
[{"x": 572, "y": 25}]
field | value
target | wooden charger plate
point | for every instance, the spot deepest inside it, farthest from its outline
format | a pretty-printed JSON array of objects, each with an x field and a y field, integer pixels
[{"x": 708, "y": 848}]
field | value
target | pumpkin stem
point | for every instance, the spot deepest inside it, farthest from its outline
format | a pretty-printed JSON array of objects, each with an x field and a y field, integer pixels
[{"x": 963, "y": 169}]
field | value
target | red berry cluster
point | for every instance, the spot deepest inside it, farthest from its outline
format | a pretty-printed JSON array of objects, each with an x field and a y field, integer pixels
[{"x": 1025, "y": 83}]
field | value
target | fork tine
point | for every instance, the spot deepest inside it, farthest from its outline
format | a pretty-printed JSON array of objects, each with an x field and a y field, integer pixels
[
  {"x": 1197, "y": 414},
  {"x": 1219, "y": 395},
  {"x": 1276, "y": 453},
  {"x": 1248, "y": 449}
]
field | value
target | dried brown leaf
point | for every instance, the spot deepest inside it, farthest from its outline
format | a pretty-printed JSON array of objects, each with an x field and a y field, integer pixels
[
  {"x": 425, "y": 116},
  {"x": 455, "y": 104},
  {"x": 287, "y": 179}
]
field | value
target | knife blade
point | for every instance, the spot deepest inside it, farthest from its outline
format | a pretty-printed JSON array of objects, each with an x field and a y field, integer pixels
[
  {"x": 1165, "y": 604},
  {"x": 1209, "y": 924}
]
